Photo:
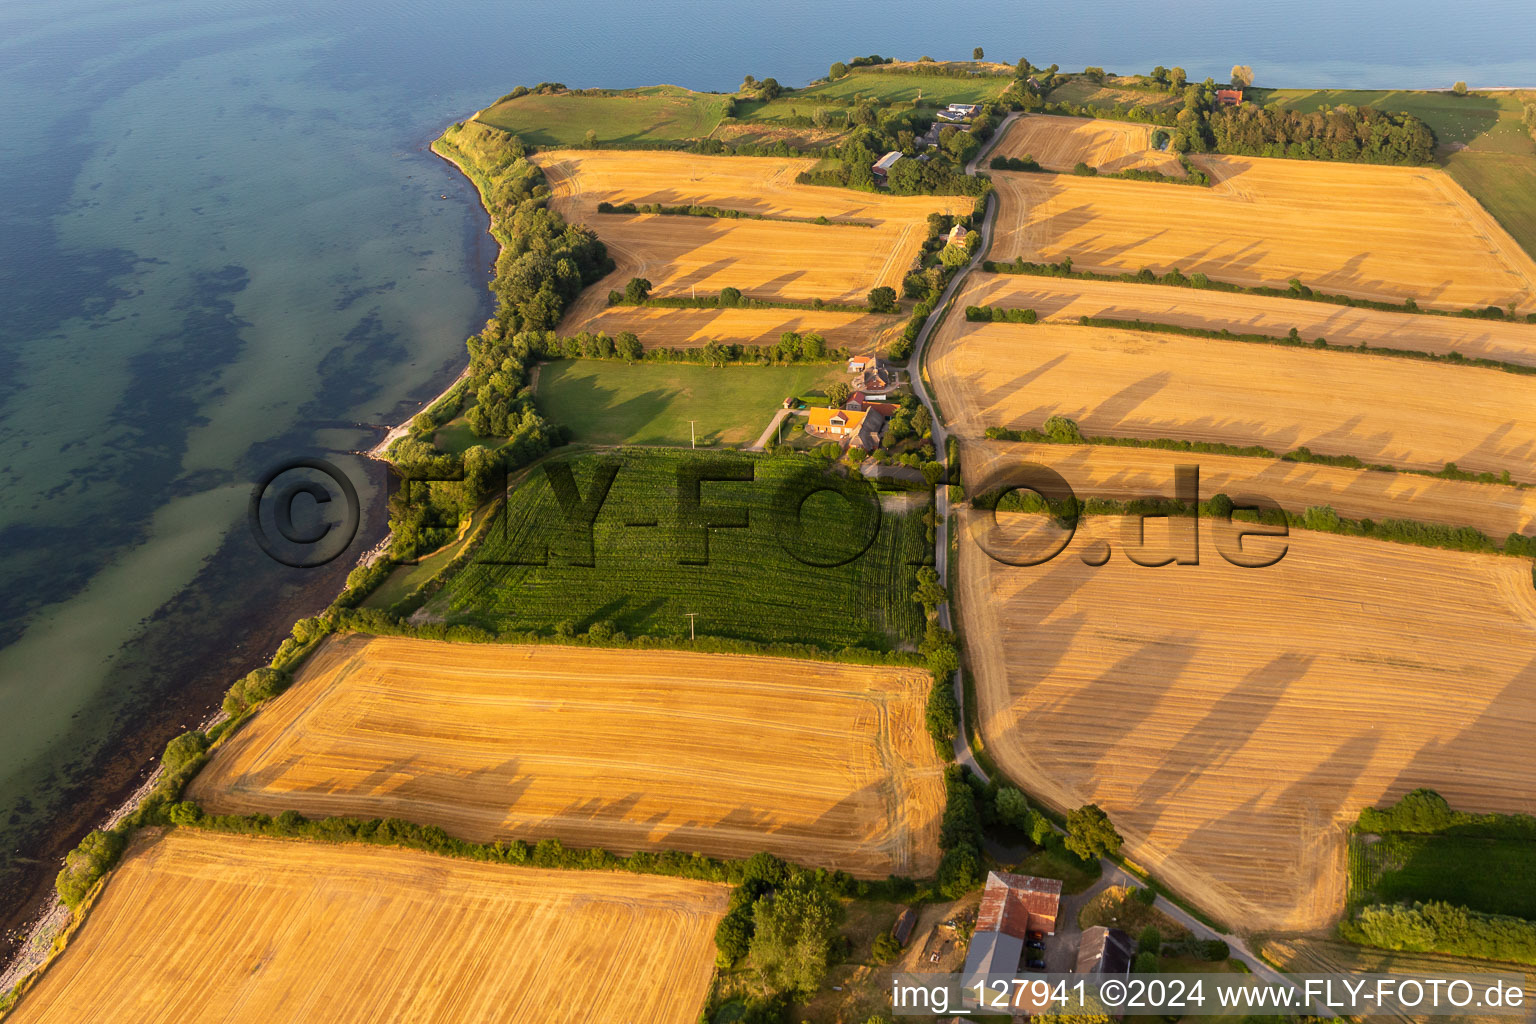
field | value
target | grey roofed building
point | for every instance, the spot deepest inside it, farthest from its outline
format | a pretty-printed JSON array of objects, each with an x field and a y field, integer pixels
[
  {"x": 883, "y": 166},
  {"x": 991, "y": 953},
  {"x": 1104, "y": 951}
]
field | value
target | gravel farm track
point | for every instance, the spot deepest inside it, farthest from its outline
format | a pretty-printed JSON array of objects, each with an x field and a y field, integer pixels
[
  {"x": 204, "y": 926},
  {"x": 821, "y": 763}
]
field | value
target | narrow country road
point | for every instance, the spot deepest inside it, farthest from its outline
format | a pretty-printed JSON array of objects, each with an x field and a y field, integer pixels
[
  {"x": 1113, "y": 874},
  {"x": 768, "y": 435}
]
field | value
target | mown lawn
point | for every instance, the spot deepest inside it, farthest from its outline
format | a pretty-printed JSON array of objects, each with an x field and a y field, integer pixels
[
  {"x": 1492, "y": 875},
  {"x": 654, "y": 114},
  {"x": 761, "y": 581},
  {"x": 456, "y": 436},
  {"x": 607, "y": 401}
]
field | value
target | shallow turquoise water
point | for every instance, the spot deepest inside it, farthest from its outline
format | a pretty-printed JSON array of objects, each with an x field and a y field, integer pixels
[{"x": 223, "y": 243}]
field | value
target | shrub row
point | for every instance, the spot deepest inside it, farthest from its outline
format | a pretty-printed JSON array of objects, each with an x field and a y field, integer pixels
[
  {"x": 695, "y": 210},
  {"x": 545, "y": 853},
  {"x": 1317, "y": 518},
  {"x": 1071, "y": 435},
  {"x": 1176, "y": 278},
  {"x": 999, "y": 315},
  {"x": 1425, "y": 812},
  {"x": 1193, "y": 174},
  {"x": 1295, "y": 340},
  {"x": 1437, "y": 927},
  {"x": 617, "y": 298}
]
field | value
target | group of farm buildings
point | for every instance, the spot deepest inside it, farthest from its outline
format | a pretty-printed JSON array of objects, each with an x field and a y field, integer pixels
[{"x": 957, "y": 114}]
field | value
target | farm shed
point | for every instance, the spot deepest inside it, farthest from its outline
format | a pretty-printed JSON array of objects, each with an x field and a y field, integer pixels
[
  {"x": 1105, "y": 951},
  {"x": 1018, "y": 904}
]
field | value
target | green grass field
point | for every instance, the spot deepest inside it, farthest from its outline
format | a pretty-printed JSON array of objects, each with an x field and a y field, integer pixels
[
  {"x": 1505, "y": 184},
  {"x": 1485, "y": 121},
  {"x": 905, "y": 87},
  {"x": 654, "y": 114},
  {"x": 1492, "y": 875},
  {"x": 607, "y": 401},
  {"x": 759, "y": 582},
  {"x": 456, "y": 436}
]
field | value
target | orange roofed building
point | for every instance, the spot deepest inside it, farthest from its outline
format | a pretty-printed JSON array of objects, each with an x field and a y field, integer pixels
[
  {"x": 1231, "y": 97},
  {"x": 861, "y": 426}
]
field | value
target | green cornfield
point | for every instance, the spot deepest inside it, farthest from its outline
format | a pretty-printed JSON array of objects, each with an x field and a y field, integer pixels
[{"x": 756, "y": 559}]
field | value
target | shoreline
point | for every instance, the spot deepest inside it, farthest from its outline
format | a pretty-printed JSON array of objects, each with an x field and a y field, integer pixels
[{"x": 28, "y": 941}]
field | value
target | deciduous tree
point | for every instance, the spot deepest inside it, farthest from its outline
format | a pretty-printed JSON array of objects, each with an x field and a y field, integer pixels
[{"x": 1090, "y": 834}]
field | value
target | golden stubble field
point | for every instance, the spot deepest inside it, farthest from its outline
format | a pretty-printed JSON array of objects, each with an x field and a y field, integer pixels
[
  {"x": 1388, "y": 233},
  {"x": 693, "y": 328},
  {"x": 1398, "y": 412},
  {"x": 827, "y": 765},
  {"x": 1101, "y": 471},
  {"x": 1232, "y": 722},
  {"x": 204, "y": 927},
  {"x": 1306, "y": 955},
  {"x": 765, "y": 259},
  {"x": 1065, "y": 298},
  {"x": 1059, "y": 143}
]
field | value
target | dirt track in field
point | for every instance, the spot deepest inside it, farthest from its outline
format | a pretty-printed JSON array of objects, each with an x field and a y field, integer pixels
[
  {"x": 827, "y": 765},
  {"x": 1388, "y": 233},
  {"x": 1232, "y": 722},
  {"x": 1060, "y": 143},
  {"x": 204, "y": 927},
  {"x": 1397, "y": 412},
  {"x": 1061, "y": 298}
]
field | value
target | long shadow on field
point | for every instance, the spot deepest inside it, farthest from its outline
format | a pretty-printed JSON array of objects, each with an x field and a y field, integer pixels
[
  {"x": 1225, "y": 728},
  {"x": 1264, "y": 852},
  {"x": 1486, "y": 766},
  {"x": 991, "y": 398}
]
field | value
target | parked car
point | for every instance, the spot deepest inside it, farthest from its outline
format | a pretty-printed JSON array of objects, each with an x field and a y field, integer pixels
[
  {"x": 1037, "y": 965},
  {"x": 1035, "y": 944}
]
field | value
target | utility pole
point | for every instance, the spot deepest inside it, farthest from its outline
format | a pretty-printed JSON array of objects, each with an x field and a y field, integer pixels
[
  {"x": 691, "y": 617},
  {"x": 693, "y": 436}
]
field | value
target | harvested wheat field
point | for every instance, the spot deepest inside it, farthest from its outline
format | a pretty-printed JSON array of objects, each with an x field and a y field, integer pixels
[
  {"x": 659, "y": 326},
  {"x": 1332, "y": 956},
  {"x": 1065, "y": 298},
  {"x": 1388, "y": 233},
  {"x": 1396, "y": 412},
  {"x": 765, "y": 259},
  {"x": 1232, "y": 722},
  {"x": 204, "y": 927},
  {"x": 827, "y": 765},
  {"x": 1099, "y": 471},
  {"x": 1060, "y": 143}
]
